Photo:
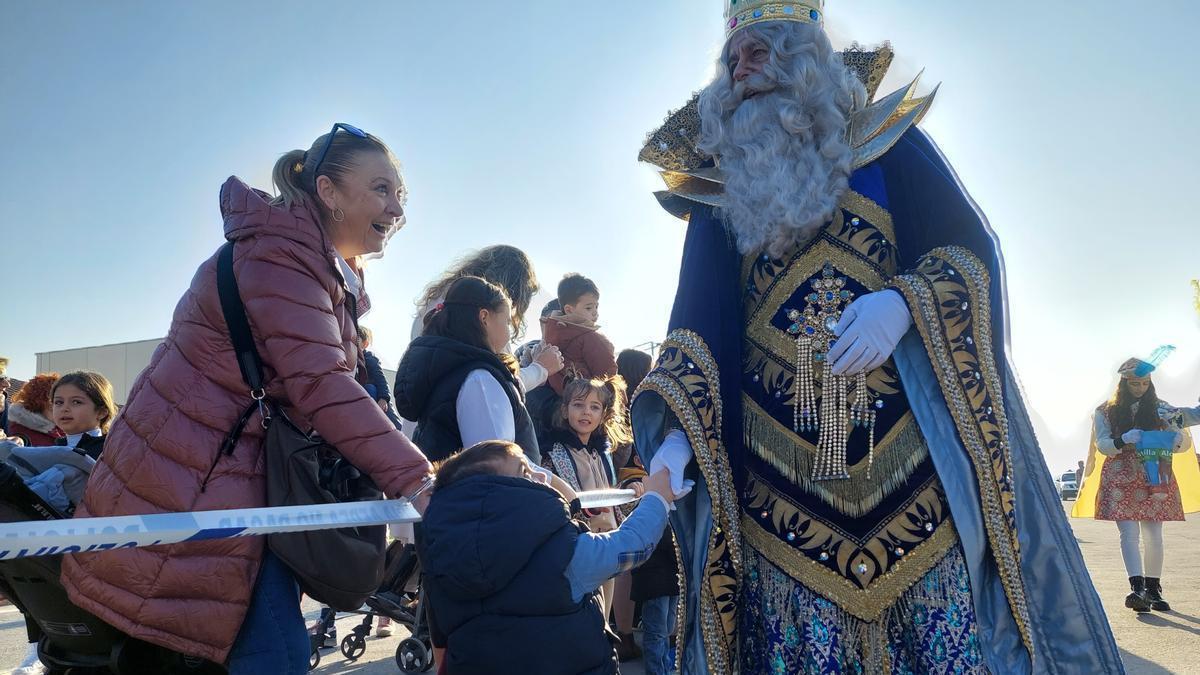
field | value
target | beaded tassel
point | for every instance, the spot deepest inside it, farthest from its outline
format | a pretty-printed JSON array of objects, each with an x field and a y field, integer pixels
[
  {"x": 830, "y": 462},
  {"x": 804, "y": 404},
  {"x": 862, "y": 414}
]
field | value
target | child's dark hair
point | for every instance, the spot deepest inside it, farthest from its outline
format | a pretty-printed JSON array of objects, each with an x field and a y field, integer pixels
[
  {"x": 633, "y": 365},
  {"x": 611, "y": 392},
  {"x": 574, "y": 286},
  {"x": 98, "y": 389},
  {"x": 457, "y": 317},
  {"x": 482, "y": 459}
]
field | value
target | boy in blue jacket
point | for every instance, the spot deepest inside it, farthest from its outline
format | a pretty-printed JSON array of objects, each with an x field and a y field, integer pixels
[{"x": 511, "y": 577}]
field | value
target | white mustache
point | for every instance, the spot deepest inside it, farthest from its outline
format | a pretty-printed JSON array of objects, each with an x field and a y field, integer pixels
[{"x": 755, "y": 84}]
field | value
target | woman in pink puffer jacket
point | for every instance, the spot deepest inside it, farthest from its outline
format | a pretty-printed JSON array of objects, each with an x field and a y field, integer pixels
[{"x": 294, "y": 262}]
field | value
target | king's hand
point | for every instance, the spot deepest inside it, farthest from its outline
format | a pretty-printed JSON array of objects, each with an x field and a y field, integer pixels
[{"x": 868, "y": 332}]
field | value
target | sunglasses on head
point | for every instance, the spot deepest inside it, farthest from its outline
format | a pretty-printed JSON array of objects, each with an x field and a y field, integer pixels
[{"x": 348, "y": 128}]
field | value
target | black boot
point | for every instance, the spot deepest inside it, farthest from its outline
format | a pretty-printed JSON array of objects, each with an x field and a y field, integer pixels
[
  {"x": 1137, "y": 599},
  {"x": 1154, "y": 595}
]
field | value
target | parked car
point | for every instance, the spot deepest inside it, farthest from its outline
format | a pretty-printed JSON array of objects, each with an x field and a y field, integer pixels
[{"x": 1067, "y": 488}]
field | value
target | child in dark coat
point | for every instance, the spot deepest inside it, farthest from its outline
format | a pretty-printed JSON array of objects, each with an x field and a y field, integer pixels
[{"x": 512, "y": 578}]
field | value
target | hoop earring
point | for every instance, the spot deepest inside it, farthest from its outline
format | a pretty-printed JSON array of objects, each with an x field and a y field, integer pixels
[{"x": 339, "y": 215}]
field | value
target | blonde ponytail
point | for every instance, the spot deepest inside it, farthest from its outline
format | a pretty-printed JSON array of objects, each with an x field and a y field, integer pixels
[{"x": 288, "y": 181}]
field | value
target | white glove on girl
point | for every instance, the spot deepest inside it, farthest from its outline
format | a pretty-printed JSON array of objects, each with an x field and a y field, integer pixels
[{"x": 869, "y": 331}]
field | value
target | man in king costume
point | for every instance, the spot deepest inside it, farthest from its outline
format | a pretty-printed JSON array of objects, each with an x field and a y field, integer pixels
[{"x": 869, "y": 495}]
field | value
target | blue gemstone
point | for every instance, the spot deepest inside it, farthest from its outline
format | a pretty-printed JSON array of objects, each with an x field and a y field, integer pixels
[
  {"x": 758, "y": 13},
  {"x": 819, "y": 357},
  {"x": 809, "y": 330},
  {"x": 829, "y": 295},
  {"x": 788, "y": 9},
  {"x": 814, "y": 15}
]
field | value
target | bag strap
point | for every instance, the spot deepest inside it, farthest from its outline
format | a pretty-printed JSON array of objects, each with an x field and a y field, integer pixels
[{"x": 248, "y": 359}]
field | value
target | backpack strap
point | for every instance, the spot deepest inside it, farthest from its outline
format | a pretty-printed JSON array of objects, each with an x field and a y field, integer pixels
[
  {"x": 247, "y": 355},
  {"x": 239, "y": 327}
]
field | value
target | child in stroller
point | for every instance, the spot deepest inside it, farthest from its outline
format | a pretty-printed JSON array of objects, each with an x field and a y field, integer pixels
[
  {"x": 398, "y": 599},
  {"x": 68, "y": 638}
]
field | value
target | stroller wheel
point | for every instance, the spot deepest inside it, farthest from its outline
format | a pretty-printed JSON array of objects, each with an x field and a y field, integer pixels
[
  {"x": 412, "y": 656},
  {"x": 314, "y": 658},
  {"x": 354, "y": 646}
]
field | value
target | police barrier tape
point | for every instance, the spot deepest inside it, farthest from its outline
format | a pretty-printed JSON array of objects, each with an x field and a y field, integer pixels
[{"x": 83, "y": 535}]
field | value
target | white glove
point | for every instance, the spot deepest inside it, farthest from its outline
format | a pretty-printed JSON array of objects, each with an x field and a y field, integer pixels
[
  {"x": 869, "y": 331},
  {"x": 674, "y": 455},
  {"x": 1132, "y": 437}
]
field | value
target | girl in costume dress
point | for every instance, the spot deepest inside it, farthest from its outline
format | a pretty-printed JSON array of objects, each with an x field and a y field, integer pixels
[{"x": 1123, "y": 492}]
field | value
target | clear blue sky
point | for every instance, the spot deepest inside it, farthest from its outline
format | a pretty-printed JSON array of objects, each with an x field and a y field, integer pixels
[{"x": 1073, "y": 125}]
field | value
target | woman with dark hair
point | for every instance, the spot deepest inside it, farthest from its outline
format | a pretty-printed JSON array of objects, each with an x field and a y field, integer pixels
[
  {"x": 1137, "y": 494},
  {"x": 509, "y": 268},
  {"x": 295, "y": 261},
  {"x": 458, "y": 382}
]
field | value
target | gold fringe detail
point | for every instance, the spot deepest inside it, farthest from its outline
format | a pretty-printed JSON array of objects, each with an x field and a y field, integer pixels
[{"x": 896, "y": 456}]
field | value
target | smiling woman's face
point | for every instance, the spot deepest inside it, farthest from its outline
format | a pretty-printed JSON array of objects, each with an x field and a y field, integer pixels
[{"x": 369, "y": 201}]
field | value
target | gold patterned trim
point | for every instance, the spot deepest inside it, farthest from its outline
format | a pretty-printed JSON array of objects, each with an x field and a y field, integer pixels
[
  {"x": 948, "y": 296},
  {"x": 862, "y": 205},
  {"x": 686, "y": 378},
  {"x": 897, "y": 454},
  {"x": 866, "y": 604}
]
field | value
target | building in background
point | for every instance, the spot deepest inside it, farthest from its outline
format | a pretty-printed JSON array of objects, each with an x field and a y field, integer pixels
[{"x": 121, "y": 363}]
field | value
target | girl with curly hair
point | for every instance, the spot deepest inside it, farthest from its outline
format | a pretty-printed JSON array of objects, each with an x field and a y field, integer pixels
[{"x": 29, "y": 414}]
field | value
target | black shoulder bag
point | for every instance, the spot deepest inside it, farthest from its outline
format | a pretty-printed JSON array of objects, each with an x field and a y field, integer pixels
[{"x": 340, "y": 567}]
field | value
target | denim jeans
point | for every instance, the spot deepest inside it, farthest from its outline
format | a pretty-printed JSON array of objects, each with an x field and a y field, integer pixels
[
  {"x": 273, "y": 638},
  {"x": 658, "y": 622}
]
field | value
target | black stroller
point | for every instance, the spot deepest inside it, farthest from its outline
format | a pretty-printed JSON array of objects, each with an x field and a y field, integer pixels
[
  {"x": 68, "y": 638},
  {"x": 395, "y": 601}
]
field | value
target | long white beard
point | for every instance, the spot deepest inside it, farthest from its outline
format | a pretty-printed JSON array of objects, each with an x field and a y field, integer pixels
[{"x": 783, "y": 179}]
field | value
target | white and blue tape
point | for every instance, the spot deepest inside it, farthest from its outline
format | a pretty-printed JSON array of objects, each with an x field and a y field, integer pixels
[
  {"x": 82, "y": 535},
  {"x": 85, "y": 535}
]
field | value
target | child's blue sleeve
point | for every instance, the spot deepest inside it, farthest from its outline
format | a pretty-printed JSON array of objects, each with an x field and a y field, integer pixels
[{"x": 601, "y": 556}]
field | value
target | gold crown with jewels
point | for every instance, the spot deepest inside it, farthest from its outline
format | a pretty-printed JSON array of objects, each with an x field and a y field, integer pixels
[{"x": 742, "y": 13}]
